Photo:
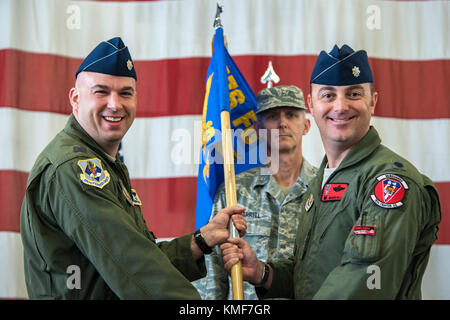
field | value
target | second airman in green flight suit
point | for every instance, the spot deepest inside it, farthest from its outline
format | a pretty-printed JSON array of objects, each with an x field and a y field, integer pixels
[{"x": 370, "y": 217}]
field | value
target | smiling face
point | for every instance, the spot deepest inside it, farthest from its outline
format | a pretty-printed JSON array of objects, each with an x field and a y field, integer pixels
[
  {"x": 105, "y": 107},
  {"x": 342, "y": 113}
]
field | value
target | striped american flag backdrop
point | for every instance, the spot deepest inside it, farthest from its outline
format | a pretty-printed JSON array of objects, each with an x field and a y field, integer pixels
[{"x": 42, "y": 43}]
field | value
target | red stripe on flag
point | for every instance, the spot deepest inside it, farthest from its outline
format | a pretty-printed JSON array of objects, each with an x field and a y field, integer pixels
[
  {"x": 12, "y": 191},
  {"x": 170, "y": 87},
  {"x": 168, "y": 205},
  {"x": 407, "y": 89}
]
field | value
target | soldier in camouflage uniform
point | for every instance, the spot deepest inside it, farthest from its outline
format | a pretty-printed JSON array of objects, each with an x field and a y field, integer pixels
[{"x": 272, "y": 199}]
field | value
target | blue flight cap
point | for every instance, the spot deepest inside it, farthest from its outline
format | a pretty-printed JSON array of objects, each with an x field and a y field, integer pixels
[
  {"x": 110, "y": 57},
  {"x": 342, "y": 67}
]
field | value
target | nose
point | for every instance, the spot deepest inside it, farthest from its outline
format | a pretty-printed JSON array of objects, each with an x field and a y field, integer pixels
[
  {"x": 283, "y": 120},
  {"x": 114, "y": 102},
  {"x": 340, "y": 104}
]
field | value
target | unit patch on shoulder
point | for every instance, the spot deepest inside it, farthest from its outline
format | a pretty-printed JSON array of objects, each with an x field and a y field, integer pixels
[
  {"x": 389, "y": 191},
  {"x": 92, "y": 173},
  {"x": 135, "y": 198}
]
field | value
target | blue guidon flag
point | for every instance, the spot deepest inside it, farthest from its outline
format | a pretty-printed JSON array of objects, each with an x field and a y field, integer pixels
[{"x": 226, "y": 89}]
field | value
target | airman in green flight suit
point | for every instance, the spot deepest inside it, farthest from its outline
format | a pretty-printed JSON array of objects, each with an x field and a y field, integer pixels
[
  {"x": 370, "y": 218},
  {"x": 83, "y": 232}
]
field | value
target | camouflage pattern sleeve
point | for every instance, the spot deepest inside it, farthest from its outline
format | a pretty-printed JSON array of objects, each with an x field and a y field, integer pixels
[{"x": 215, "y": 285}]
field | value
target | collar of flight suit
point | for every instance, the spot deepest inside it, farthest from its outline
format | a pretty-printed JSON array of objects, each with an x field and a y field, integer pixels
[
  {"x": 74, "y": 129},
  {"x": 361, "y": 150}
]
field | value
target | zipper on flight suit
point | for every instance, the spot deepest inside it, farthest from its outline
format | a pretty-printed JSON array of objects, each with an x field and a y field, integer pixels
[
  {"x": 313, "y": 223},
  {"x": 308, "y": 236}
]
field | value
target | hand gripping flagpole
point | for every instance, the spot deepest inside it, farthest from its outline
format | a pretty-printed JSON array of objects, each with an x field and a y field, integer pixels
[{"x": 230, "y": 184}]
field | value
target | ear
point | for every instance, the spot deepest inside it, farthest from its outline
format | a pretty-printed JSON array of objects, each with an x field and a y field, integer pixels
[
  {"x": 309, "y": 103},
  {"x": 74, "y": 98},
  {"x": 307, "y": 124},
  {"x": 374, "y": 102}
]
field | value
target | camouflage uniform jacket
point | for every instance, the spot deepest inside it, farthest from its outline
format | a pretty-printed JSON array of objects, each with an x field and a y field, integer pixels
[
  {"x": 80, "y": 212},
  {"x": 272, "y": 221}
]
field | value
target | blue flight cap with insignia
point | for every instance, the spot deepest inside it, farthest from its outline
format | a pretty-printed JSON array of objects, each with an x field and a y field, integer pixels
[
  {"x": 109, "y": 57},
  {"x": 342, "y": 67}
]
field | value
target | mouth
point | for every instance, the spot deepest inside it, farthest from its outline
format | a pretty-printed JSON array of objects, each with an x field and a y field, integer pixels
[
  {"x": 341, "y": 120},
  {"x": 113, "y": 119}
]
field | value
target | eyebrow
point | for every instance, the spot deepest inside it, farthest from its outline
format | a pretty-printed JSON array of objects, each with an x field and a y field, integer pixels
[
  {"x": 329, "y": 88},
  {"x": 103, "y": 87},
  {"x": 356, "y": 86},
  {"x": 99, "y": 86}
]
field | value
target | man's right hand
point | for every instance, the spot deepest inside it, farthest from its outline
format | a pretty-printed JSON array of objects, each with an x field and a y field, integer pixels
[{"x": 238, "y": 249}]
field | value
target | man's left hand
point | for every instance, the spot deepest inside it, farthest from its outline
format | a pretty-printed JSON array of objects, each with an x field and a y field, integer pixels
[{"x": 216, "y": 231}]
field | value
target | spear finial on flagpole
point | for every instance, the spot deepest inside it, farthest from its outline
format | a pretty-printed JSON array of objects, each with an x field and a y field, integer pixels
[
  {"x": 217, "y": 21},
  {"x": 218, "y": 24},
  {"x": 270, "y": 76}
]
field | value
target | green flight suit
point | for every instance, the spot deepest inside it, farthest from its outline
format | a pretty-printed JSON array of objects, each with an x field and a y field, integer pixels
[
  {"x": 350, "y": 247},
  {"x": 80, "y": 217}
]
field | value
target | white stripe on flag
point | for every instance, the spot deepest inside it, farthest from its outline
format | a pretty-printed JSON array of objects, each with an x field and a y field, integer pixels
[
  {"x": 12, "y": 278},
  {"x": 436, "y": 282},
  {"x": 176, "y": 29},
  {"x": 168, "y": 147}
]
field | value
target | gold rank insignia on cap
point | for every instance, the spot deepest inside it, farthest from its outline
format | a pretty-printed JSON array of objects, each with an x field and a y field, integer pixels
[
  {"x": 92, "y": 173},
  {"x": 356, "y": 71},
  {"x": 129, "y": 64}
]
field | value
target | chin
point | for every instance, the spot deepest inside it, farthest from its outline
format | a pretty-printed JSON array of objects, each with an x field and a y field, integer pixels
[{"x": 113, "y": 138}]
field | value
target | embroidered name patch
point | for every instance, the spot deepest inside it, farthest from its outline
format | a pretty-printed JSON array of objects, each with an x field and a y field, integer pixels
[
  {"x": 364, "y": 230},
  {"x": 251, "y": 214},
  {"x": 93, "y": 173},
  {"x": 389, "y": 191},
  {"x": 334, "y": 191}
]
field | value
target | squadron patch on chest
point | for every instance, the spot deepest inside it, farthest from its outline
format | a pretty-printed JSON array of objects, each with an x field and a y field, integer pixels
[
  {"x": 334, "y": 191},
  {"x": 92, "y": 173},
  {"x": 389, "y": 191}
]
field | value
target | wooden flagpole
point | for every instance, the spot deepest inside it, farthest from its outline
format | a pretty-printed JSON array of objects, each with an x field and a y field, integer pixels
[
  {"x": 230, "y": 193},
  {"x": 230, "y": 183}
]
